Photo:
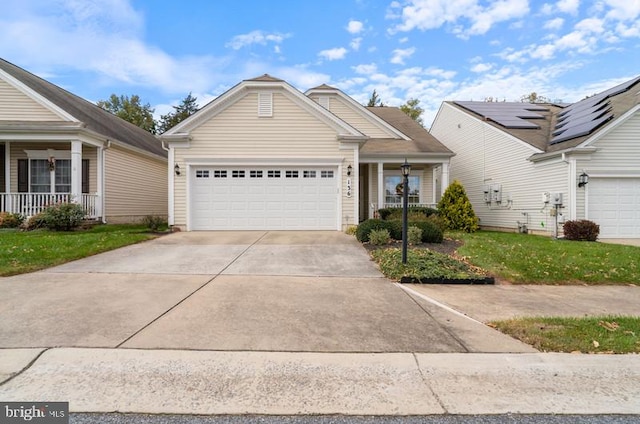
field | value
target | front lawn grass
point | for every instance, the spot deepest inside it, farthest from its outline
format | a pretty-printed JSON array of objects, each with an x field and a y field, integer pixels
[
  {"x": 530, "y": 259},
  {"x": 27, "y": 251},
  {"x": 421, "y": 263},
  {"x": 604, "y": 334}
]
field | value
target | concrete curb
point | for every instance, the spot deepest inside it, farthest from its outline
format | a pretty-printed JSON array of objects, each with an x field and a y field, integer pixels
[{"x": 281, "y": 383}]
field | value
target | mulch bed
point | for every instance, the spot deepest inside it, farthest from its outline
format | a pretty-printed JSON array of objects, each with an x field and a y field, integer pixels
[{"x": 448, "y": 246}]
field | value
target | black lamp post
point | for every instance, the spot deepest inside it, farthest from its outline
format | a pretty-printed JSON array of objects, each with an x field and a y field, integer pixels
[{"x": 406, "y": 170}]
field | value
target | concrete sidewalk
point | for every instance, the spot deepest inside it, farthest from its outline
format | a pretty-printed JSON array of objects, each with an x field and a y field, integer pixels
[{"x": 205, "y": 382}]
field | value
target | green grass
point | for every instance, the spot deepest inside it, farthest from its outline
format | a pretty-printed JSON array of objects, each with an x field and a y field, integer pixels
[
  {"x": 27, "y": 251},
  {"x": 605, "y": 334},
  {"x": 421, "y": 263},
  {"x": 530, "y": 259}
]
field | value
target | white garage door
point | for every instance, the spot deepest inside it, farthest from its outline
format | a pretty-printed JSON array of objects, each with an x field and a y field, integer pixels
[
  {"x": 614, "y": 204},
  {"x": 263, "y": 198}
]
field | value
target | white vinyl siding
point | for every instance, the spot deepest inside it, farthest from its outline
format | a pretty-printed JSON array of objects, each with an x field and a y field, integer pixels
[
  {"x": 356, "y": 119},
  {"x": 292, "y": 134},
  {"x": 486, "y": 155},
  {"x": 135, "y": 186},
  {"x": 17, "y": 106}
]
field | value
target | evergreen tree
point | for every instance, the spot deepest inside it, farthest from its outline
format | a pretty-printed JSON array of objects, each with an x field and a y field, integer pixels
[
  {"x": 456, "y": 210},
  {"x": 374, "y": 100},
  {"x": 185, "y": 109}
]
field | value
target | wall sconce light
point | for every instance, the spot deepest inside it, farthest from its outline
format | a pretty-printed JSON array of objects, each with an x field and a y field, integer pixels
[
  {"x": 52, "y": 163},
  {"x": 176, "y": 169},
  {"x": 349, "y": 169},
  {"x": 583, "y": 179}
]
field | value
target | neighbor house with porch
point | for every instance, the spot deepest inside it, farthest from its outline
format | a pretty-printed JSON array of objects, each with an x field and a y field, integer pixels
[
  {"x": 57, "y": 147},
  {"x": 264, "y": 155}
]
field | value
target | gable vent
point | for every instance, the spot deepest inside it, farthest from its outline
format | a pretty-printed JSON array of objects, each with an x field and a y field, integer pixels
[
  {"x": 324, "y": 101},
  {"x": 265, "y": 105}
]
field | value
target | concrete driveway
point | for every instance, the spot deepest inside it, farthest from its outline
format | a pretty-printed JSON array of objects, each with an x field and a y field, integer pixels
[{"x": 246, "y": 291}]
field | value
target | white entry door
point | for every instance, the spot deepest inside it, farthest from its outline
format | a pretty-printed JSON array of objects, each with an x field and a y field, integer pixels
[
  {"x": 263, "y": 198},
  {"x": 614, "y": 204}
]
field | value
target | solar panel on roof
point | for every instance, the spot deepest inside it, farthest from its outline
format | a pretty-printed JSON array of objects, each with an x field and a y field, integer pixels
[
  {"x": 509, "y": 115},
  {"x": 580, "y": 130}
]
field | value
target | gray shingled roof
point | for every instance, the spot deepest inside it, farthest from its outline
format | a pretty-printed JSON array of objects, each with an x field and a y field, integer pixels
[
  {"x": 95, "y": 118},
  {"x": 421, "y": 140},
  {"x": 542, "y": 136}
]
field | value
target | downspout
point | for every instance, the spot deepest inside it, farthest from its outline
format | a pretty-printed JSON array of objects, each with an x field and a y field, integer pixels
[
  {"x": 171, "y": 182},
  {"x": 103, "y": 181}
]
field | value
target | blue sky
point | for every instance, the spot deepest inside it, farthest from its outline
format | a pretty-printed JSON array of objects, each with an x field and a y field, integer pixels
[{"x": 433, "y": 50}]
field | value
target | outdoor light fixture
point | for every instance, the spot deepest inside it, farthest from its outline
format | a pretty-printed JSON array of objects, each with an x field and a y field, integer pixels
[
  {"x": 176, "y": 169},
  {"x": 52, "y": 163},
  {"x": 583, "y": 179},
  {"x": 406, "y": 170},
  {"x": 349, "y": 168}
]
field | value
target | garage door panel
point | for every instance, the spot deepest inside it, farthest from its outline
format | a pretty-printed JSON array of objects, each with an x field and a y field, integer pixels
[
  {"x": 264, "y": 198},
  {"x": 614, "y": 204}
]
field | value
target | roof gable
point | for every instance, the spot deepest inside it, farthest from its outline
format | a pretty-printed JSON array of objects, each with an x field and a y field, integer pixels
[
  {"x": 263, "y": 83},
  {"x": 75, "y": 108}
]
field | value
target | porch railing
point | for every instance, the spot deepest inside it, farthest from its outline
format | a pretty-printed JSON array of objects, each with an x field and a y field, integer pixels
[
  {"x": 29, "y": 204},
  {"x": 399, "y": 205}
]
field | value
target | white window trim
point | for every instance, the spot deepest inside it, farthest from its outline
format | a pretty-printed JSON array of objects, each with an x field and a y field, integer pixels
[{"x": 416, "y": 173}]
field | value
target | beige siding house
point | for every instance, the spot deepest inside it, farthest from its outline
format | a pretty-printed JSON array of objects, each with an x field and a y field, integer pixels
[
  {"x": 56, "y": 147},
  {"x": 524, "y": 166},
  {"x": 264, "y": 156}
]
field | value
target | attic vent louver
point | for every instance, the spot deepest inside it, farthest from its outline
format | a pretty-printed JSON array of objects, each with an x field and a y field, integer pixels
[
  {"x": 324, "y": 101},
  {"x": 265, "y": 105}
]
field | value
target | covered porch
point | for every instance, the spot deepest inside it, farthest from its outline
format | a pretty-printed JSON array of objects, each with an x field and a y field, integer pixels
[
  {"x": 381, "y": 180},
  {"x": 35, "y": 174}
]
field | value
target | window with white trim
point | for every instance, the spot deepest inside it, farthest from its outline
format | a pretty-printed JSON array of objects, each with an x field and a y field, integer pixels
[
  {"x": 291, "y": 174},
  {"x": 273, "y": 174},
  {"x": 202, "y": 173},
  {"x": 237, "y": 173},
  {"x": 42, "y": 173},
  {"x": 255, "y": 174},
  {"x": 308, "y": 174},
  {"x": 393, "y": 189},
  {"x": 220, "y": 173},
  {"x": 326, "y": 174}
]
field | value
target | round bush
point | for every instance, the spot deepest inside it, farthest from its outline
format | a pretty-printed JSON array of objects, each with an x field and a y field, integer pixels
[
  {"x": 581, "y": 230},
  {"x": 64, "y": 216},
  {"x": 379, "y": 237},
  {"x": 430, "y": 232},
  {"x": 365, "y": 227}
]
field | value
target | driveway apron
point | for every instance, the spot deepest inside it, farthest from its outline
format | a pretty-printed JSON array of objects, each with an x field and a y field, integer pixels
[{"x": 262, "y": 291}]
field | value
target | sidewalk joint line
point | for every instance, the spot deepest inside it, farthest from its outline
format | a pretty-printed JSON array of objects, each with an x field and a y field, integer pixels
[
  {"x": 26, "y": 367},
  {"x": 426, "y": 382}
]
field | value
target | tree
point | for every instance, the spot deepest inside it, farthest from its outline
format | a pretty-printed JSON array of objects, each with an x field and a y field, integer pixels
[
  {"x": 132, "y": 110},
  {"x": 374, "y": 100},
  {"x": 412, "y": 109},
  {"x": 185, "y": 109},
  {"x": 456, "y": 210},
  {"x": 534, "y": 97}
]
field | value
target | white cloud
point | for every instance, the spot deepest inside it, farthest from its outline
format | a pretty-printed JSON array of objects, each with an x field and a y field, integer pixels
[
  {"x": 481, "y": 67},
  {"x": 590, "y": 25},
  {"x": 355, "y": 27},
  {"x": 568, "y": 6},
  {"x": 365, "y": 69},
  {"x": 554, "y": 24},
  {"x": 400, "y": 55},
  {"x": 623, "y": 10},
  {"x": 355, "y": 43},
  {"x": 469, "y": 17},
  {"x": 333, "y": 54},
  {"x": 255, "y": 37}
]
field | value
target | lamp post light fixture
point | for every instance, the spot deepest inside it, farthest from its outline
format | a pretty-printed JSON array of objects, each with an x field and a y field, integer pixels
[
  {"x": 406, "y": 170},
  {"x": 583, "y": 179},
  {"x": 176, "y": 169}
]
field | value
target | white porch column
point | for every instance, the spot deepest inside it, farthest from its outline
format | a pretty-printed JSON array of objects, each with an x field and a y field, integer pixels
[
  {"x": 445, "y": 176},
  {"x": 434, "y": 185},
  {"x": 380, "y": 185},
  {"x": 7, "y": 165},
  {"x": 76, "y": 171},
  {"x": 100, "y": 184}
]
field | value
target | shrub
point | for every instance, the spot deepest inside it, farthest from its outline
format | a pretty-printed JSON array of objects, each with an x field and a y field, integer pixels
[
  {"x": 34, "y": 222},
  {"x": 351, "y": 230},
  {"x": 365, "y": 227},
  {"x": 63, "y": 216},
  {"x": 456, "y": 210},
  {"x": 582, "y": 230},
  {"x": 396, "y": 213},
  {"x": 438, "y": 222},
  {"x": 379, "y": 237},
  {"x": 414, "y": 235},
  {"x": 153, "y": 223},
  {"x": 395, "y": 228},
  {"x": 430, "y": 232},
  {"x": 10, "y": 220}
]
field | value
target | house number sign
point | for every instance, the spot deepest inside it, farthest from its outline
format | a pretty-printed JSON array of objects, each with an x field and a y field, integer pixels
[{"x": 348, "y": 187}]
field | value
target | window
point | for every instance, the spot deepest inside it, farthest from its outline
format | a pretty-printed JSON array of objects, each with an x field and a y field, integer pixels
[
  {"x": 41, "y": 176},
  {"x": 326, "y": 174},
  {"x": 308, "y": 174},
  {"x": 255, "y": 174},
  {"x": 218, "y": 173},
  {"x": 273, "y": 174},
  {"x": 393, "y": 189},
  {"x": 203, "y": 173},
  {"x": 237, "y": 174},
  {"x": 291, "y": 174}
]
